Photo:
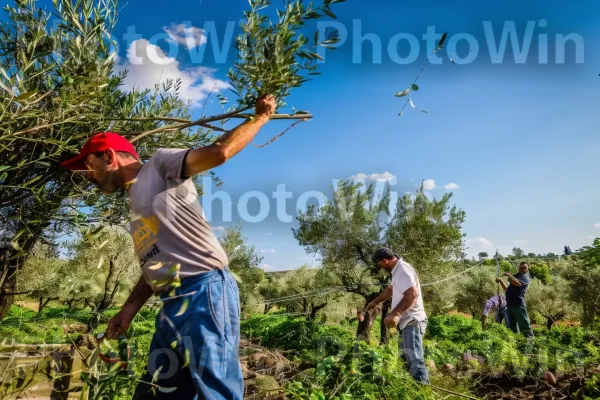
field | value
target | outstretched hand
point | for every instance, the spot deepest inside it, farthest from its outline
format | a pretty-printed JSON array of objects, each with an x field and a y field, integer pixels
[
  {"x": 266, "y": 106},
  {"x": 118, "y": 325}
]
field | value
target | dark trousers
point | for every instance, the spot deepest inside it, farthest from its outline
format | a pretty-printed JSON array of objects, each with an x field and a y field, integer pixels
[{"x": 519, "y": 320}]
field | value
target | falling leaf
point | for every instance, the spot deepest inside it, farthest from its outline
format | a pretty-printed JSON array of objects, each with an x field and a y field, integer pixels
[
  {"x": 186, "y": 358},
  {"x": 174, "y": 344},
  {"x": 100, "y": 262},
  {"x": 174, "y": 269},
  {"x": 156, "y": 373},
  {"x": 451, "y": 60},
  {"x": 402, "y": 94},
  {"x": 184, "y": 307},
  {"x": 415, "y": 87},
  {"x": 237, "y": 277},
  {"x": 155, "y": 267},
  {"x": 442, "y": 40},
  {"x": 102, "y": 245},
  {"x": 418, "y": 109}
]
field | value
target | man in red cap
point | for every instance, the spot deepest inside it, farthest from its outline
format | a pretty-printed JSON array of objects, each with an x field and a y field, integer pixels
[{"x": 195, "y": 346}]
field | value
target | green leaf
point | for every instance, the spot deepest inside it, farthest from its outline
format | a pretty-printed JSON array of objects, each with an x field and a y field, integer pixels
[
  {"x": 94, "y": 357},
  {"x": 27, "y": 95},
  {"x": 414, "y": 87},
  {"x": 37, "y": 178},
  {"x": 118, "y": 365},
  {"x": 186, "y": 358},
  {"x": 184, "y": 306},
  {"x": 329, "y": 13},
  {"x": 4, "y": 167},
  {"x": 402, "y": 94},
  {"x": 3, "y": 176},
  {"x": 156, "y": 373},
  {"x": 174, "y": 344},
  {"x": 442, "y": 40}
]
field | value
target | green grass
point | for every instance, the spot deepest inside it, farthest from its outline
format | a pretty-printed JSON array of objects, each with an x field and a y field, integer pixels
[{"x": 341, "y": 368}]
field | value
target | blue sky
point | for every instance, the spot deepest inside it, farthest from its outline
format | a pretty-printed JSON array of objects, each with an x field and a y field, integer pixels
[{"x": 520, "y": 140}]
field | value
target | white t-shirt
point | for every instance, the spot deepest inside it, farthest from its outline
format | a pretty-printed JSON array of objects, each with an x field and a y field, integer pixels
[{"x": 404, "y": 277}]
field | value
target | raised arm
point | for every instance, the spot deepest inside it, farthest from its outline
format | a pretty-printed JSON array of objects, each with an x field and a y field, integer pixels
[
  {"x": 231, "y": 143},
  {"x": 502, "y": 283},
  {"x": 513, "y": 281}
]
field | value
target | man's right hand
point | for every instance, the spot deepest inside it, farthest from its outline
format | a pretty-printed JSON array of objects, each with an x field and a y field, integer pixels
[
  {"x": 119, "y": 324},
  {"x": 266, "y": 106},
  {"x": 498, "y": 280}
]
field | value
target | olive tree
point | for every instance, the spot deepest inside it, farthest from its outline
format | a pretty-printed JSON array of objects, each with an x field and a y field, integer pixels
[
  {"x": 243, "y": 262},
  {"x": 102, "y": 267},
  {"x": 59, "y": 84},
  {"x": 347, "y": 229}
]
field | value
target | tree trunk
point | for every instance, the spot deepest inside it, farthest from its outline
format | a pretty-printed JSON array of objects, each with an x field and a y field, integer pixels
[
  {"x": 364, "y": 328},
  {"x": 8, "y": 286},
  {"x": 314, "y": 310},
  {"x": 267, "y": 308},
  {"x": 383, "y": 331},
  {"x": 8, "y": 282},
  {"x": 549, "y": 323},
  {"x": 43, "y": 303},
  {"x": 72, "y": 303},
  {"x": 9, "y": 268}
]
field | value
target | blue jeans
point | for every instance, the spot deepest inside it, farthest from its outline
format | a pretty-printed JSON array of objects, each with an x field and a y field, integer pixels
[
  {"x": 502, "y": 315},
  {"x": 196, "y": 346},
  {"x": 410, "y": 347}
]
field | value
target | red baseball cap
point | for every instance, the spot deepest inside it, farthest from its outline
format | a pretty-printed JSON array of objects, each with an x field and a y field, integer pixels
[{"x": 97, "y": 143}]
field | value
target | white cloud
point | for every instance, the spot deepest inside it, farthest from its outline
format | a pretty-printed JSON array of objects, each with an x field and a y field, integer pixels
[
  {"x": 218, "y": 228},
  {"x": 592, "y": 237},
  {"x": 479, "y": 242},
  {"x": 519, "y": 241},
  {"x": 272, "y": 251},
  {"x": 597, "y": 225},
  {"x": 429, "y": 184},
  {"x": 385, "y": 177},
  {"x": 148, "y": 65},
  {"x": 189, "y": 36},
  {"x": 267, "y": 267},
  {"x": 451, "y": 186}
]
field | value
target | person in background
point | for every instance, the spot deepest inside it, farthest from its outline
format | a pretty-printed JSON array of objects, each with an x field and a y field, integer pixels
[
  {"x": 407, "y": 312},
  {"x": 515, "y": 299},
  {"x": 498, "y": 304}
]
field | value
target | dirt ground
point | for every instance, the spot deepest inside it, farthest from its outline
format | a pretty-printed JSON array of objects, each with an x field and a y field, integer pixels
[
  {"x": 265, "y": 372},
  {"x": 505, "y": 387}
]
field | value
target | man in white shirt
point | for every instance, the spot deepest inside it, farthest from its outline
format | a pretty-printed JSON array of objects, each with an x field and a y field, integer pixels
[{"x": 407, "y": 314}]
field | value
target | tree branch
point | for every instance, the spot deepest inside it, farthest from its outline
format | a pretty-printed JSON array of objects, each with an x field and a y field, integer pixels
[
  {"x": 14, "y": 293},
  {"x": 167, "y": 119},
  {"x": 191, "y": 123}
]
